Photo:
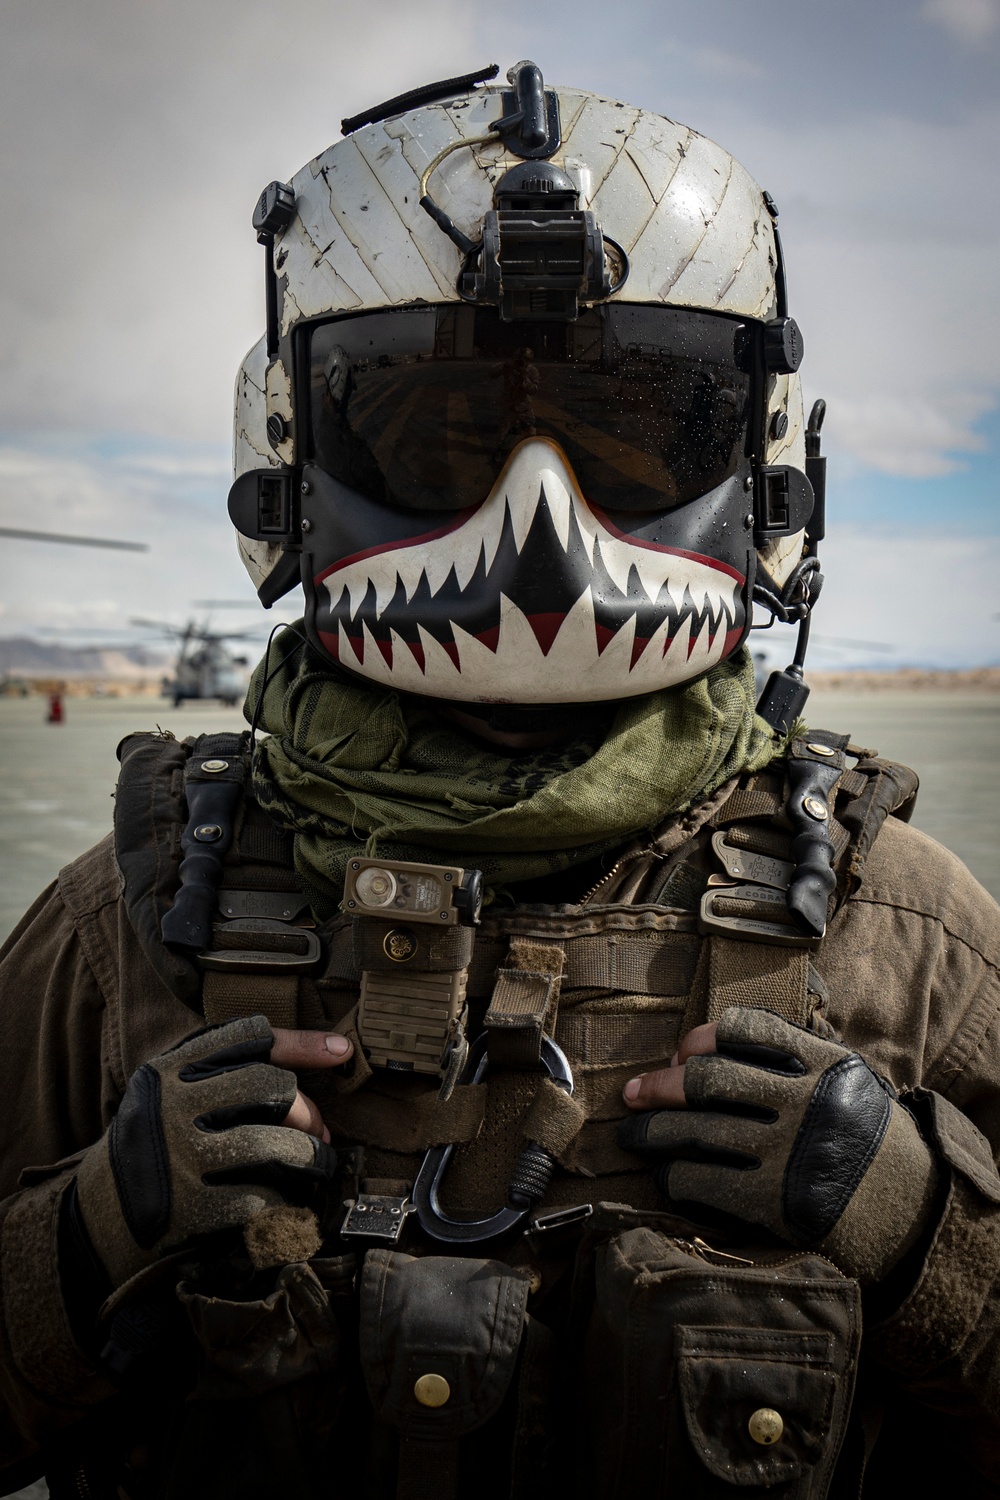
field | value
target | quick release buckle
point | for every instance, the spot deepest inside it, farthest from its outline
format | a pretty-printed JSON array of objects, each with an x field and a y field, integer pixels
[
  {"x": 251, "y": 960},
  {"x": 752, "y": 878}
]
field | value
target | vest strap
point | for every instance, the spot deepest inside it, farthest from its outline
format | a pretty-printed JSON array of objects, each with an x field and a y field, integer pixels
[
  {"x": 427, "y": 1470},
  {"x": 761, "y": 976},
  {"x": 227, "y": 997}
]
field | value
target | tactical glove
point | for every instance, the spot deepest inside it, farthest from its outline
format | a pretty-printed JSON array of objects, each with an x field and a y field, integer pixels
[
  {"x": 794, "y": 1133},
  {"x": 197, "y": 1146}
]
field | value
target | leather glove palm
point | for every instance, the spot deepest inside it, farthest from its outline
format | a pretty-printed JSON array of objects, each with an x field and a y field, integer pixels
[
  {"x": 197, "y": 1146},
  {"x": 795, "y": 1133}
]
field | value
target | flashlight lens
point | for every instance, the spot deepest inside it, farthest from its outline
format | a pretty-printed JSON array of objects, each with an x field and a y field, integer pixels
[{"x": 375, "y": 887}]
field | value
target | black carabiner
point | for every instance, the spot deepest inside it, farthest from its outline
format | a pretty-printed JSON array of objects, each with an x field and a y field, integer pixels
[{"x": 529, "y": 1179}]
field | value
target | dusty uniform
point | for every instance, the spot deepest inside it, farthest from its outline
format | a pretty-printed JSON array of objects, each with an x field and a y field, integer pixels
[{"x": 907, "y": 975}]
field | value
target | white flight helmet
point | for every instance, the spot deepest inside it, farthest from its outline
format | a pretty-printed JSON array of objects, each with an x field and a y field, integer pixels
[{"x": 526, "y": 422}]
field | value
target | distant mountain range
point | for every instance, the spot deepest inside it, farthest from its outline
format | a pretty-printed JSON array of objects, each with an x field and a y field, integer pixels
[{"x": 20, "y": 656}]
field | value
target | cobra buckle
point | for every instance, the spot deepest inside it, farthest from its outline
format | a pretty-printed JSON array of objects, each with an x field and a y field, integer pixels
[{"x": 528, "y": 1181}]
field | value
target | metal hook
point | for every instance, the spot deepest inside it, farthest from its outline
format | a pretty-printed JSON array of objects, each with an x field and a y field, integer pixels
[{"x": 529, "y": 1179}]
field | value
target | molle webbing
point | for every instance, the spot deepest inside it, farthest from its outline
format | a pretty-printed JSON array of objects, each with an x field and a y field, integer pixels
[{"x": 643, "y": 952}]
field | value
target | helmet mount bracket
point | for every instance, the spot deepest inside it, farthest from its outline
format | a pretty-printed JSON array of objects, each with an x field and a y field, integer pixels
[
  {"x": 529, "y": 126},
  {"x": 540, "y": 255}
]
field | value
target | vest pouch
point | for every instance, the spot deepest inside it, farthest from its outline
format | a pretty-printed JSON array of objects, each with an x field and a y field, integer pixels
[
  {"x": 440, "y": 1337},
  {"x": 271, "y": 1406},
  {"x": 689, "y": 1354}
]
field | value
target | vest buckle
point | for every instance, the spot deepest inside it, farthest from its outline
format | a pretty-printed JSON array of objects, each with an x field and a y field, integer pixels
[{"x": 300, "y": 953}]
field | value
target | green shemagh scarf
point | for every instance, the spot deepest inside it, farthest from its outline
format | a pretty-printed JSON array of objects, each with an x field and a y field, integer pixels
[{"x": 351, "y": 769}]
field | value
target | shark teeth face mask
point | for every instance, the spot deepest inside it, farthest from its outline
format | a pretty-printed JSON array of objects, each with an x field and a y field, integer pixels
[{"x": 533, "y": 596}]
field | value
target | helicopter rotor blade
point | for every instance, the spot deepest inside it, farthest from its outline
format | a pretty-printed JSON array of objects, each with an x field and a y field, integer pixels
[
  {"x": 226, "y": 604},
  {"x": 73, "y": 541}
]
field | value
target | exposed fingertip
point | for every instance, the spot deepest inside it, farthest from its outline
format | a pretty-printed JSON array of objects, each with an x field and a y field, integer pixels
[
  {"x": 338, "y": 1046},
  {"x": 632, "y": 1088}
]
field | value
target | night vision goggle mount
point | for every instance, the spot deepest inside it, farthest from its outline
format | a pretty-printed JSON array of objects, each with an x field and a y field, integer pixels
[{"x": 540, "y": 254}]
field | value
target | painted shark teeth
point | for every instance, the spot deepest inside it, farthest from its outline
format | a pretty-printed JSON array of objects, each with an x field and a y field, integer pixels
[{"x": 534, "y": 597}]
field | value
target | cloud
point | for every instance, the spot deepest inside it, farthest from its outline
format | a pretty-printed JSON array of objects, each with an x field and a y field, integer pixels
[
  {"x": 134, "y": 140},
  {"x": 890, "y": 228},
  {"x": 931, "y": 595},
  {"x": 969, "y": 21},
  {"x": 712, "y": 61},
  {"x": 177, "y": 507}
]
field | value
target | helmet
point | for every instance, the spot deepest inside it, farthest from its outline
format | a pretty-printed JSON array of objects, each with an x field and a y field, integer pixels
[{"x": 526, "y": 422}]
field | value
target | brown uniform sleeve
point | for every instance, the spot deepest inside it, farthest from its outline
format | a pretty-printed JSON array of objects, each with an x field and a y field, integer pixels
[
  {"x": 80, "y": 1008},
  {"x": 913, "y": 966}
]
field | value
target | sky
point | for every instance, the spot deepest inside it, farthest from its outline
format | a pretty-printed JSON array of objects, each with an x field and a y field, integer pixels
[{"x": 134, "y": 139}]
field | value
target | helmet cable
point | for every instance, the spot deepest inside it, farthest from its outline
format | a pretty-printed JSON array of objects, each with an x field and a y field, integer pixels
[{"x": 268, "y": 674}]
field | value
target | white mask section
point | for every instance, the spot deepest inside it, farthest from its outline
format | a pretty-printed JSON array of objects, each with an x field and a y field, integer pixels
[{"x": 532, "y": 596}]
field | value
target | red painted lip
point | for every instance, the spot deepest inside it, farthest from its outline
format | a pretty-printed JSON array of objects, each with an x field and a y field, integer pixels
[
  {"x": 461, "y": 516},
  {"x": 635, "y": 541}
]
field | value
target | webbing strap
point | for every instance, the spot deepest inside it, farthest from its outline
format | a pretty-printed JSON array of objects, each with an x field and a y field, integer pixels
[
  {"x": 250, "y": 989},
  {"x": 619, "y": 1038},
  {"x": 553, "y": 1118},
  {"x": 411, "y": 1123},
  {"x": 427, "y": 1470},
  {"x": 760, "y": 975},
  {"x": 227, "y": 997},
  {"x": 754, "y": 801}
]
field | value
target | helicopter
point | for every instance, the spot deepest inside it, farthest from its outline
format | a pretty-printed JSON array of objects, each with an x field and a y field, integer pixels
[{"x": 205, "y": 666}]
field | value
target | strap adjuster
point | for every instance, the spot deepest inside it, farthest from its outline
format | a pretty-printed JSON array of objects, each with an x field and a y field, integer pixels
[
  {"x": 251, "y": 960},
  {"x": 751, "y": 865},
  {"x": 751, "y": 929}
]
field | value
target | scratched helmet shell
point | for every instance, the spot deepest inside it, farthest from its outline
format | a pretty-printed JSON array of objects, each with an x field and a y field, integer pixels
[{"x": 527, "y": 422}]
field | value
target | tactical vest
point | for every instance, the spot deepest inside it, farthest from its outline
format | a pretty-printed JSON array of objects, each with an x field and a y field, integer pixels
[{"x": 724, "y": 904}]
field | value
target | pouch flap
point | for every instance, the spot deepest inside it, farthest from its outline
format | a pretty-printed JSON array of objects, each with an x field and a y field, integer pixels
[
  {"x": 727, "y": 1375},
  {"x": 958, "y": 1140},
  {"x": 257, "y": 1346},
  {"x": 456, "y": 1318}
]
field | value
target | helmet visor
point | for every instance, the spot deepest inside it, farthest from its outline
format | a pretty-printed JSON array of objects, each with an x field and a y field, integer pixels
[{"x": 421, "y": 408}]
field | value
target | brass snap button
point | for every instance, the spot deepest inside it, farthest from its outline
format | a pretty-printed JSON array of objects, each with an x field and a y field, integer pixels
[
  {"x": 434, "y": 1390},
  {"x": 766, "y": 1426},
  {"x": 215, "y": 765},
  {"x": 816, "y": 809},
  {"x": 208, "y": 833},
  {"x": 820, "y": 749}
]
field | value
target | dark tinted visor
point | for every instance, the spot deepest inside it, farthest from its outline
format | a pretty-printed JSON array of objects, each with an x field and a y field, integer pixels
[{"x": 422, "y": 407}]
